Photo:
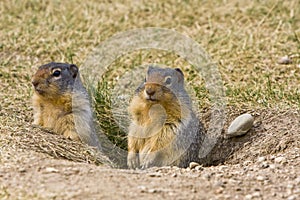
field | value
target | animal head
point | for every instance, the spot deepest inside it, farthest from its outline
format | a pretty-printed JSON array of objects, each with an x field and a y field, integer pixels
[
  {"x": 162, "y": 84},
  {"x": 54, "y": 79}
]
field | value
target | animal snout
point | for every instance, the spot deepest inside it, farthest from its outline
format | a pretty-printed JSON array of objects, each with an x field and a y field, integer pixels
[
  {"x": 35, "y": 83},
  {"x": 150, "y": 91}
]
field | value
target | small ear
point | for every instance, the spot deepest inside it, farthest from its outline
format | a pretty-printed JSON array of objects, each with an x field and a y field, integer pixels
[
  {"x": 74, "y": 70},
  {"x": 179, "y": 74},
  {"x": 179, "y": 70}
]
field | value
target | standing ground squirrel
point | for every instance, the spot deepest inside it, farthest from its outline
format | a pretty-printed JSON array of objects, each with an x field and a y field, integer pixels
[
  {"x": 164, "y": 130},
  {"x": 61, "y": 103}
]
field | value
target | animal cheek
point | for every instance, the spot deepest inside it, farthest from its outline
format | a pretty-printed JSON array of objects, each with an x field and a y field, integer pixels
[
  {"x": 168, "y": 96},
  {"x": 53, "y": 88}
]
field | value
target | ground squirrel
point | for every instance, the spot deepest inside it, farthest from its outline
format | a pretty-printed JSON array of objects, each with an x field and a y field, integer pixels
[
  {"x": 164, "y": 130},
  {"x": 61, "y": 103}
]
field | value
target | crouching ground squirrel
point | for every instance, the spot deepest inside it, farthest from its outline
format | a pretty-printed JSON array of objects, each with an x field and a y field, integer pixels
[
  {"x": 61, "y": 103},
  {"x": 164, "y": 130}
]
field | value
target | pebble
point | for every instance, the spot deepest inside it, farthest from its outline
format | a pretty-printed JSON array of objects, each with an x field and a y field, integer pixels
[
  {"x": 293, "y": 197},
  {"x": 152, "y": 190},
  {"x": 142, "y": 188},
  {"x": 285, "y": 60},
  {"x": 261, "y": 159},
  {"x": 51, "y": 170},
  {"x": 22, "y": 170},
  {"x": 193, "y": 165},
  {"x": 264, "y": 165},
  {"x": 252, "y": 196},
  {"x": 241, "y": 125},
  {"x": 272, "y": 166},
  {"x": 248, "y": 196},
  {"x": 199, "y": 168},
  {"x": 256, "y": 194},
  {"x": 260, "y": 178},
  {"x": 223, "y": 167},
  {"x": 219, "y": 190},
  {"x": 280, "y": 159},
  {"x": 154, "y": 175}
]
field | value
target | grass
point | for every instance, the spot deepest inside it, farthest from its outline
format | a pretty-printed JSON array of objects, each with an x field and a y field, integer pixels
[{"x": 245, "y": 39}]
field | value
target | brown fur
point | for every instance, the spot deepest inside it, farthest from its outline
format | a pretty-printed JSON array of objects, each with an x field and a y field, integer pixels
[
  {"x": 155, "y": 124},
  {"x": 54, "y": 105}
]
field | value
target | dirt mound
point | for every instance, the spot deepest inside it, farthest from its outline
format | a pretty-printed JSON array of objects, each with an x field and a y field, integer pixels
[
  {"x": 265, "y": 163},
  {"x": 273, "y": 132}
]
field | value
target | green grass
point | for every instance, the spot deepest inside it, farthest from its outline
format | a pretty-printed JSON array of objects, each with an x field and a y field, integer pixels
[{"x": 245, "y": 38}]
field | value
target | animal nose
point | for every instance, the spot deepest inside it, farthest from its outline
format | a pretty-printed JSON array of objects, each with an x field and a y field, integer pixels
[
  {"x": 150, "y": 91},
  {"x": 35, "y": 83}
]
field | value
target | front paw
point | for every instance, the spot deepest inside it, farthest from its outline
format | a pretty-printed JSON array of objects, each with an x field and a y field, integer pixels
[
  {"x": 152, "y": 160},
  {"x": 72, "y": 135},
  {"x": 133, "y": 160}
]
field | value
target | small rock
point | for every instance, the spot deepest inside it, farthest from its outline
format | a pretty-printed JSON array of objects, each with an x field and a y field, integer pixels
[
  {"x": 174, "y": 175},
  {"x": 261, "y": 159},
  {"x": 264, "y": 165},
  {"x": 193, "y": 165},
  {"x": 293, "y": 197},
  {"x": 223, "y": 167},
  {"x": 281, "y": 160},
  {"x": 22, "y": 170},
  {"x": 248, "y": 196},
  {"x": 175, "y": 167},
  {"x": 272, "y": 157},
  {"x": 260, "y": 178},
  {"x": 51, "y": 170},
  {"x": 199, "y": 168},
  {"x": 285, "y": 60},
  {"x": 219, "y": 190},
  {"x": 256, "y": 194},
  {"x": 154, "y": 175},
  {"x": 142, "y": 188},
  {"x": 241, "y": 125},
  {"x": 171, "y": 193},
  {"x": 272, "y": 166},
  {"x": 152, "y": 190}
]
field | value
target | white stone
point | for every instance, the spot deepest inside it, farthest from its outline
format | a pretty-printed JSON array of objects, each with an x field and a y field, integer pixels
[
  {"x": 261, "y": 159},
  {"x": 260, "y": 178},
  {"x": 241, "y": 125},
  {"x": 193, "y": 165},
  {"x": 285, "y": 60},
  {"x": 51, "y": 170},
  {"x": 280, "y": 160}
]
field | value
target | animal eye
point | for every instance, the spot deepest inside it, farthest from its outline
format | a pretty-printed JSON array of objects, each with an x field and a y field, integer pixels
[
  {"x": 168, "y": 80},
  {"x": 56, "y": 73}
]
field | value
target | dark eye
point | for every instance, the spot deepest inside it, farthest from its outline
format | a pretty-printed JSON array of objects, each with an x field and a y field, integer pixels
[
  {"x": 168, "y": 80},
  {"x": 56, "y": 73}
]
